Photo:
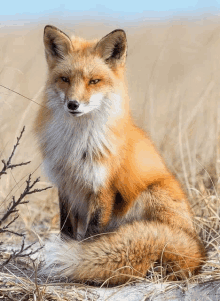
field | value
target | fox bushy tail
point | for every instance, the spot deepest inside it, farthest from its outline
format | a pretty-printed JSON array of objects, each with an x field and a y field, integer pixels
[{"x": 115, "y": 258}]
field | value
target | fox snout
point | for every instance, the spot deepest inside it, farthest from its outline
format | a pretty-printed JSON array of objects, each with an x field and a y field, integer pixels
[
  {"x": 82, "y": 107},
  {"x": 72, "y": 105}
]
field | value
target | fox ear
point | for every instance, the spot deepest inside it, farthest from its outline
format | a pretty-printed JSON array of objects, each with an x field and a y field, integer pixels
[
  {"x": 57, "y": 44},
  {"x": 113, "y": 47}
]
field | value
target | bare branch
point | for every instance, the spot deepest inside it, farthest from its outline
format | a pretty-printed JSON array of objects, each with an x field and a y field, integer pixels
[
  {"x": 22, "y": 252},
  {"x": 11, "y": 213},
  {"x": 16, "y": 165},
  {"x": 7, "y": 165},
  {"x": 5, "y": 229},
  {"x": 13, "y": 205}
]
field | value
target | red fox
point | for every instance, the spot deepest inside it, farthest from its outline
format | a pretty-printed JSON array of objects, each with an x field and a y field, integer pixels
[{"x": 121, "y": 210}]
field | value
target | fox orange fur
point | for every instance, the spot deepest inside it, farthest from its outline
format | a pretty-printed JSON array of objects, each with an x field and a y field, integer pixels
[{"x": 121, "y": 210}]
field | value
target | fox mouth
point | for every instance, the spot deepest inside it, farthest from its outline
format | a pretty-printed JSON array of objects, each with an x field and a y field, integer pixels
[{"x": 75, "y": 113}]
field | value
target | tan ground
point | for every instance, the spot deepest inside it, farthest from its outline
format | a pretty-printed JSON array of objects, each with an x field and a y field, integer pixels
[{"x": 174, "y": 83}]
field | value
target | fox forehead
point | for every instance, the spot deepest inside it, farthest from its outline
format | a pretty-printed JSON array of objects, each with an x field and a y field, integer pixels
[
  {"x": 81, "y": 58},
  {"x": 81, "y": 65},
  {"x": 82, "y": 45}
]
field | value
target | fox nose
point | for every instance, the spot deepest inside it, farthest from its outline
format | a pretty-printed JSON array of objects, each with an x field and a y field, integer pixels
[{"x": 73, "y": 105}]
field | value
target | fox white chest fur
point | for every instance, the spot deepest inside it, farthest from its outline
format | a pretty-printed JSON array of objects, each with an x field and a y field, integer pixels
[{"x": 71, "y": 146}]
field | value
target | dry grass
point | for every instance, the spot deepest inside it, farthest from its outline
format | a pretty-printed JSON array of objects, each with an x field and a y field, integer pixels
[{"x": 173, "y": 78}]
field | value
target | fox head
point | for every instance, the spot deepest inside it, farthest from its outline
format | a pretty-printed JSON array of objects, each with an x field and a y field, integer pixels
[{"x": 83, "y": 75}]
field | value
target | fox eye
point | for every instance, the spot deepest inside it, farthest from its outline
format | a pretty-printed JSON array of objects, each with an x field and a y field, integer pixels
[
  {"x": 65, "y": 79},
  {"x": 94, "y": 81}
]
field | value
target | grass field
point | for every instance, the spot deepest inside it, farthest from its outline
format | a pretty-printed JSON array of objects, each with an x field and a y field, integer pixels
[{"x": 173, "y": 74}]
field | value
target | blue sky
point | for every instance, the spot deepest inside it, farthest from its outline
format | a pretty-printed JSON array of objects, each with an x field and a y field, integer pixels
[{"x": 127, "y": 8}]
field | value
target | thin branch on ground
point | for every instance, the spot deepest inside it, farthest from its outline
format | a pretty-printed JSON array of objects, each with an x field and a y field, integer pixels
[{"x": 22, "y": 252}]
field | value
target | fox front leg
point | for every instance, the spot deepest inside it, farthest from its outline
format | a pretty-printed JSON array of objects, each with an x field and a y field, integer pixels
[
  {"x": 82, "y": 226},
  {"x": 74, "y": 220},
  {"x": 68, "y": 222}
]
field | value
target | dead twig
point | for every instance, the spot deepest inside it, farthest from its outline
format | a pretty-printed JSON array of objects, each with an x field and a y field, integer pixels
[
  {"x": 12, "y": 208},
  {"x": 7, "y": 165},
  {"x": 22, "y": 252}
]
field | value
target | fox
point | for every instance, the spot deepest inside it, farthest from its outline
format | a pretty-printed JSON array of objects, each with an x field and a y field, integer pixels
[{"x": 122, "y": 211}]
